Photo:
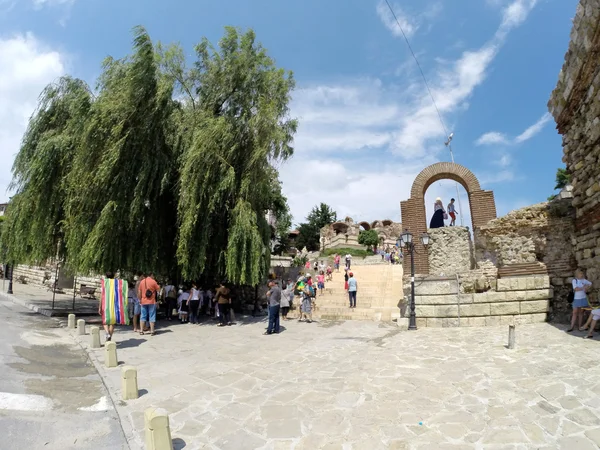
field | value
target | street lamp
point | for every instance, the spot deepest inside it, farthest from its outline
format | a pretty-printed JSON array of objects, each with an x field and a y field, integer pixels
[{"x": 406, "y": 240}]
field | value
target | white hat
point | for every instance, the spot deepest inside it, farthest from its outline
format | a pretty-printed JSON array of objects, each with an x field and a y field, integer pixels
[{"x": 438, "y": 199}]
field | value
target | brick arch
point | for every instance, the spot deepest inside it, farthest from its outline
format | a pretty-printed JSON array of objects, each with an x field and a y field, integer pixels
[
  {"x": 444, "y": 171},
  {"x": 365, "y": 225},
  {"x": 482, "y": 203}
]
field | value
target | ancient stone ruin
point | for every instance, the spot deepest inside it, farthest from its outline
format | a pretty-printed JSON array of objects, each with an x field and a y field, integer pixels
[
  {"x": 344, "y": 234},
  {"x": 575, "y": 105},
  {"x": 510, "y": 269}
]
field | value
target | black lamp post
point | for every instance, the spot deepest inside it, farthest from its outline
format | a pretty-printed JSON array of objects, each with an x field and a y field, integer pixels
[
  {"x": 406, "y": 240},
  {"x": 10, "y": 279}
]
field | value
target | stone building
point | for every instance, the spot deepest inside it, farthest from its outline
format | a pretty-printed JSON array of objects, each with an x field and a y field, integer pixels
[
  {"x": 575, "y": 105},
  {"x": 344, "y": 234}
]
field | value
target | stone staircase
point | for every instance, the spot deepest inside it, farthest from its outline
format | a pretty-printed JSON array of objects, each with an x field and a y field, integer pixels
[{"x": 379, "y": 291}]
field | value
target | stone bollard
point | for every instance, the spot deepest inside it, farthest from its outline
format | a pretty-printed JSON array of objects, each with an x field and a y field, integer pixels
[
  {"x": 71, "y": 322},
  {"x": 95, "y": 333},
  {"x": 158, "y": 432},
  {"x": 511, "y": 336},
  {"x": 110, "y": 354},
  {"x": 81, "y": 327},
  {"x": 129, "y": 386}
]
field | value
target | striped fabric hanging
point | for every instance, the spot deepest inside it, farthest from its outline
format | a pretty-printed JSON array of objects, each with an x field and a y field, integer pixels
[{"x": 114, "y": 301}]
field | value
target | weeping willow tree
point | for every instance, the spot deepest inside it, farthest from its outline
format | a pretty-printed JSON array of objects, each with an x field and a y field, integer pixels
[
  {"x": 35, "y": 219},
  {"x": 167, "y": 168},
  {"x": 120, "y": 213},
  {"x": 239, "y": 124}
]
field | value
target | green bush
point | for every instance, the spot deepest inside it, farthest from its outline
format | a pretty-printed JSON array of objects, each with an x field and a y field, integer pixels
[{"x": 355, "y": 252}]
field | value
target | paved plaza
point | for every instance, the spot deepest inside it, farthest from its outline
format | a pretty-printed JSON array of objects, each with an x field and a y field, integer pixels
[{"x": 363, "y": 385}]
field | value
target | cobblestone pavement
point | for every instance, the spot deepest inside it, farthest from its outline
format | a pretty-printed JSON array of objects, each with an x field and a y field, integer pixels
[{"x": 363, "y": 385}]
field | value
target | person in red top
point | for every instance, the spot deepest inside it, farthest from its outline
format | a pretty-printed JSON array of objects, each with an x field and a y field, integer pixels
[{"x": 148, "y": 293}]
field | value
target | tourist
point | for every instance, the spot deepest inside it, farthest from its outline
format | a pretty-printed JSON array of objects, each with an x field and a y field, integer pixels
[
  {"x": 580, "y": 288},
  {"x": 307, "y": 265},
  {"x": 437, "y": 221},
  {"x": 329, "y": 273},
  {"x": 316, "y": 266},
  {"x": 352, "y": 286},
  {"x": 194, "y": 303},
  {"x": 212, "y": 309},
  {"x": 170, "y": 300},
  {"x": 105, "y": 306},
  {"x": 183, "y": 304},
  {"x": 306, "y": 307},
  {"x": 593, "y": 320},
  {"x": 286, "y": 300},
  {"x": 133, "y": 304},
  {"x": 452, "y": 212},
  {"x": 274, "y": 296},
  {"x": 346, "y": 279},
  {"x": 290, "y": 289},
  {"x": 321, "y": 282},
  {"x": 223, "y": 299},
  {"x": 321, "y": 266},
  {"x": 336, "y": 262},
  {"x": 348, "y": 261},
  {"x": 147, "y": 293}
]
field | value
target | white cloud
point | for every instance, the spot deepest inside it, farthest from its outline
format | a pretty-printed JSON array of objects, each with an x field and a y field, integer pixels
[
  {"x": 495, "y": 137},
  {"x": 361, "y": 143},
  {"x": 409, "y": 25},
  {"x": 533, "y": 129},
  {"x": 26, "y": 67},
  {"x": 43, "y": 3}
]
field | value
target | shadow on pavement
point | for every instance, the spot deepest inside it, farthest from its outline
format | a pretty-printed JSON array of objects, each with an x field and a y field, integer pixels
[{"x": 130, "y": 343}]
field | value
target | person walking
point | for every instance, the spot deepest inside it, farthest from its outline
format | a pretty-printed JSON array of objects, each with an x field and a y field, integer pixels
[
  {"x": 113, "y": 305},
  {"x": 170, "y": 299},
  {"x": 223, "y": 298},
  {"x": 336, "y": 262},
  {"x": 452, "y": 212},
  {"x": 348, "y": 261},
  {"x": 148, "y": 294},
  {"x": 274, "y": 296},
  {"x": 133, "y": 303},
  {"x": 194, "y": 303},
  {"x": 352, "y": 287},
  {"x": 580, "y": 288}
]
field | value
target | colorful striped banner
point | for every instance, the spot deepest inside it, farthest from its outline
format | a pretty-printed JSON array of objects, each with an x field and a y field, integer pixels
[{"x": 114, "y": 301}]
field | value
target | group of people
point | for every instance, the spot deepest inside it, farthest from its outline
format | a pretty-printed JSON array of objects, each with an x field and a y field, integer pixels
[
  {"x": 440, "y": 214},
  {"x": 145, "y": 296},
  {"x": 391, "y": 255}
]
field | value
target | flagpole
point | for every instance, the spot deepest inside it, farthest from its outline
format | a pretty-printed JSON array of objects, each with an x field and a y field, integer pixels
[{"x": 456, "y": 182}]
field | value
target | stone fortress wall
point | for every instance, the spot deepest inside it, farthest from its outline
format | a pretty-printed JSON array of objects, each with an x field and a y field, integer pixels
[{"x": 575, "y": 105}]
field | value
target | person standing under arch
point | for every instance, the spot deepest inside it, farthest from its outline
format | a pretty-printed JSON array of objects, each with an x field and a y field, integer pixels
[
  {"x": 437, "y": 221},
  {"x": 452, "y": 212}
]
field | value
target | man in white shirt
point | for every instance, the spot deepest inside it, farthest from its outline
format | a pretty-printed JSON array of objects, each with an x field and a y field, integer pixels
[{"x": 348, "y": 260}]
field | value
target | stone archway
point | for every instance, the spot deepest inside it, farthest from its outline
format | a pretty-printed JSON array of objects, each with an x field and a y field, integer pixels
[{"x": 483, "y": 206}]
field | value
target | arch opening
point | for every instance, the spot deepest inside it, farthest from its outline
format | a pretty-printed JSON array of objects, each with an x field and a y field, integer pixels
[{"x": 365, "y": 226}]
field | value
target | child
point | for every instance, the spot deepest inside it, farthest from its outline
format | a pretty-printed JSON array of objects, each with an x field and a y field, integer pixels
[
  {"x": 346, "y": 279},
  {"x": 329, "y": 273},
  {"x": 452, "y": 212},
  {"x": 321, "y": 281},
  {"x": 182, "y": 302},
  {"x": 580, "y": 288}
]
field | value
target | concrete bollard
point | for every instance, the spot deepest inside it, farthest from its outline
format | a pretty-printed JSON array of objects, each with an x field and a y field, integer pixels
[
  {"x": 511, "y": 336},
  {"x": 158, "y": 432},
  {"x": 110, "y": 354},
  {"x": 129, "y": 386},
  {"x": 81, "y": 327},
  {"x": 95, "y": 333},
  {"x": 71, "y": 321}
]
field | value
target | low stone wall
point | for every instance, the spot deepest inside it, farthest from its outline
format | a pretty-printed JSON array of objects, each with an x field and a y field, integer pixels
[
  {"x": 43, "y": 276},
  {"x": 440, "y": 302},
  {"x": 449, "y": 251}
]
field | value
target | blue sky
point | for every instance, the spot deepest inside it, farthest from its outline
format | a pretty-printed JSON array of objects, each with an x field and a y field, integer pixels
[{"x": 367, "y": 124}]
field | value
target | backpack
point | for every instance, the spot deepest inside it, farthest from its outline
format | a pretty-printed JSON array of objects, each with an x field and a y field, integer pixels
[
  {"x": 312, "y": 292},
  {"x": 172, "y": 294}
]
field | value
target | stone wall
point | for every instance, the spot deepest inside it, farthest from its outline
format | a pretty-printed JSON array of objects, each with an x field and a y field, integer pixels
[
  {"x": 544, "y": 232},
  {"x": 449, "y": 251},
  {"x": 575, "y": 105},
  {"x": 442, "y": 302}
]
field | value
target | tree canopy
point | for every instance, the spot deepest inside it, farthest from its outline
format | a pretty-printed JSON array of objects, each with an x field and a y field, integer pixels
[
  {"x": 370, "y": 238},
  {"x": 562, "y": 178},
  {"x": 309, "y": 232},
  {"x": 167, "y": 168}
]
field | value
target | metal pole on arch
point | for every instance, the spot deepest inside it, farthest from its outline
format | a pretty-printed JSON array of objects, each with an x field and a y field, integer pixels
[{"x": 447, "y": 143}]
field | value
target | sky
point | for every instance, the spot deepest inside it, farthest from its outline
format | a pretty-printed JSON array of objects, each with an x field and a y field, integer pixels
[{"x": 367, "y": 123}]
